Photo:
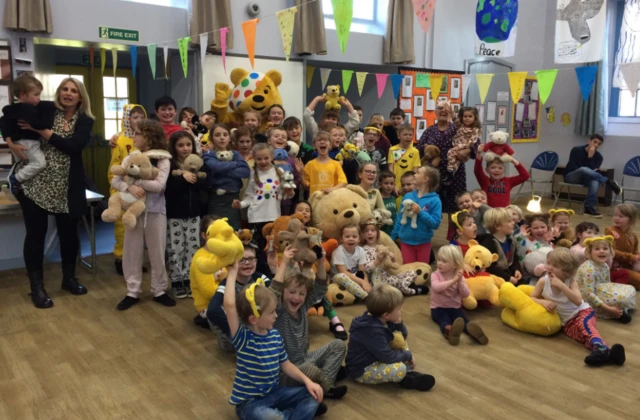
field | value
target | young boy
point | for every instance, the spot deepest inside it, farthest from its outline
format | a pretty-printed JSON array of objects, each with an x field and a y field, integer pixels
[
  {"x": 371, "y": 137},
  {"x": 330, "y": 117},
  {"x": 166, "y": 109},
  {"x": 500, "y": 226},
  {"x": 39, "y": 115},
  {"x": 478, "y": 195},
  {"x": 260, "y": 354},
  {"x": 296, "y": 294},
  {"x": 294, "y": 133},
  {"x": 403, "y": 157},
  {"x": 475, "y": 208},
  {"x": 407, "y": 184},
  {"x": 387, "y": 187},
  {"x": 323, "y": 173},
  {"x": 132, "y": 115},
  {"x": 496, "y": 185},
  {"x": 391, "y": 131},
  {"x": 349, "y": 166},
  {"x": 370, "y": 358}
]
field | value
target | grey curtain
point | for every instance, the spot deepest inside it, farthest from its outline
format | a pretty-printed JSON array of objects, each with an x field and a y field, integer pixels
[
  {"x": 28, "y": 15},
  {"x": 210, "y": 16},
  {"x": 398, "y": 42},
  {"x": 309, "y": 35}
]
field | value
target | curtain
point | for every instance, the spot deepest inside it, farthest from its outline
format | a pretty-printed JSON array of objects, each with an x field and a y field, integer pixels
[
  {"x": 398, "y": 43},
  {"x": 210, "y": 16},
  {"x": 309, "y": 33},
  {"x": 28, "y": 15}
]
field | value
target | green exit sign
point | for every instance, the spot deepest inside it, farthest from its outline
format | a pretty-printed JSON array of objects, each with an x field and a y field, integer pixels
[{"x": 116, "y": 33}]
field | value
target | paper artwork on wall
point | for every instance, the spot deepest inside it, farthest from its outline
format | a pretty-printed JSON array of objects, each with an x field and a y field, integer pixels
[
  {"x": 502, "y": 115},
  {"x": 490, "y": 129},
  {"x": 627, "y": 50},
  {"x": 421, "y": 127},
  {"x": 526, "y": 115},
  {"x": 431, "y": 103},
  {"x": 407, "y": 118},
  {"x": 551, "y": 114},
  {"x": 455, "y": 108},
  {"x": 496, "y": 28},
  {"x": 455, "y": 88},
  {"x": 566, "y": 119},
  {"x": 418, "y": 106},
  {"x": 407, "y": 87},
  {"x": 405, "y": 104},
  {"x": 503, "y": 97},
  {"x": 580, "y": 28},
  {"x": 491, "y": 111}
]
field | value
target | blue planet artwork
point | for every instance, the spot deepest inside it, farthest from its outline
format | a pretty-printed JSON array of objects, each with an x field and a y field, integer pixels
[{"x": 495, "y": 19}]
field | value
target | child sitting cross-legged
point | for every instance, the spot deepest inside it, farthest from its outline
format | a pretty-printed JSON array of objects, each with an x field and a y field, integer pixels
[
  {"x": 296, "y": 294},
  {"x": 261, "y": 354},
  {"x": 348, "y": 263},
  {"x": 500, "y": 226},
  {"x": 370, "y": 358}
]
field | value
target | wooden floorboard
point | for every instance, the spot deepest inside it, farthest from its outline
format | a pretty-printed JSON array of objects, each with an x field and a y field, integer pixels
[{"x": 83, "y": 359}]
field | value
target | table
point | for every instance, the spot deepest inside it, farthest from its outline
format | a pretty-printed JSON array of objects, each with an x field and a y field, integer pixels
[{"x": 93, "y": 198}]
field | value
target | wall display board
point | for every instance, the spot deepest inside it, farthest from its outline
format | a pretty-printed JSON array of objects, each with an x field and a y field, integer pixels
[{"x": 526, "y": 114}]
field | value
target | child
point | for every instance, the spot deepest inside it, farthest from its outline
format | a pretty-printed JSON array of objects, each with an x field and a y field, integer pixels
[
  {"x": 261, "y": 355},
  {"x": 387, "y": 188},
  {"x": 371, "y": 138},
  {"x": 39, "y": 115},
  {"x": 151, "y": 227},
  {"x": 558, "y": 291},
  {"x": 252, "y": 120},
  {"x": 244, "y": 144},
  {"x": 330, "y": 116},
  {"x": 208, "y": 119},
  {"x": 132, "y": 116},
  {"x": 609, "y": 300},
  {"x": 500, "y": 226},
  {"x": 278, "y": 140},
  {"x": 534, "y": 234},
  {"x": 475, "y": 208},
  {"x": 403, "y": 157},
  {"x": 448, "y": 288},
  {"x": 517, "y": 217},
  {"x": 377, "y": 121},
  {"x": 186, "y": 115},
  {"x": 625, "y": 242},
  {"x": 407, "y": 183},
  {"x": 338, "y": 139},
  {"x": 357, "y": 137},
  {"x": 496, "y": 185},
  {"x": 415, "y": 243},
  {"x": 466, "y": 230},
  {"x": 225, "y": 180},
  {"x": 467, "y": 134},
  {"x": 275, "y": 115},
  {"x": 296, "y": 294},
  {"x": 348, "y": 263},
  {"x": 479, "y": 195},
  {"x": 323, "y": 173},
  {"x": 562, "y": 230},
  {"x": 396, "y": 116},
  {"x": 294, "y": 133},
  {"x": 166, "y": 111},
  {"x": 370, "y": 358}
]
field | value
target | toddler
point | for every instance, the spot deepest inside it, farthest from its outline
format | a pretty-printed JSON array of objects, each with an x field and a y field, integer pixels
[
  {"x": 496, "y": 185},
  {"x": 475, "y": 207},
  {"x": 627, "y": 254},
  {"x": 387, "y": 181},
  {"x": 500, "y": 226},
  {"x": 518, "y": 218},
  {"x": 467, "y": 134},
  {"x": 479, "y": 195},
  {"x": 466, "y": 230},
  {"x": 563, "y": 232},
  {"x": 534, "y": 234},
  {"x": 348, "y": 263}
]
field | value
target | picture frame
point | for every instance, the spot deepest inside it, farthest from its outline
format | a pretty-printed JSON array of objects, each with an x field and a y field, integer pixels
[
  {"x": 6, "y": 64},
  {"x": 502, "y": 115},
  {"x": 455, "y": 108},
  {"x": 455, "y": 88},
  {"x": 445, "y": 85},
  {"x": 491, "y": 111},
  {"x": 480, "y": 108},
  {"x": 526, "y": 122},
  {"x": 407, "y": 87}
]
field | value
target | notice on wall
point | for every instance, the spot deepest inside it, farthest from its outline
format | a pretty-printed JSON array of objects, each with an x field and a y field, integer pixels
[{"x": 503, "y": 97}]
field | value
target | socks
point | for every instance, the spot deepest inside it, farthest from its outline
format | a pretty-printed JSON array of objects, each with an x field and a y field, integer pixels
[{"x": 335, "y": 320}]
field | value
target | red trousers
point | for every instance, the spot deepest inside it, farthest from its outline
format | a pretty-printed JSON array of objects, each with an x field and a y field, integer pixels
[
  {"x": 582, "y": 328},
  {"x": 415, "y": 253}
]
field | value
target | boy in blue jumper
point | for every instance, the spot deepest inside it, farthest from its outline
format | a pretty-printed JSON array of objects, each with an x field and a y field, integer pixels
[{"x": 418, "y": 217}]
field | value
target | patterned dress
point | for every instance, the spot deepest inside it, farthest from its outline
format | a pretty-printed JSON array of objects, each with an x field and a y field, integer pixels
[
  {"x": 596, "y": 288},
  {"x": 377, "y": 275}
]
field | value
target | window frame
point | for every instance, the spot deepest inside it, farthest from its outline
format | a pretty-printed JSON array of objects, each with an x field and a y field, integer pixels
[{"x": 119, "y": 110}]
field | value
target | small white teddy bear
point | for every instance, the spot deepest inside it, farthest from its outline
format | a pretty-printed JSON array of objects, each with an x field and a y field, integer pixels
[
  {"x": 287, "y": 181},
  {"x": 407, "y": 212},
  {"x": 224, "y": 156}
]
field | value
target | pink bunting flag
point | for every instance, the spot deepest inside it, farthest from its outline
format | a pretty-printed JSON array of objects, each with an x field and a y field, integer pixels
[
  {"x": 381, "y": 78},
  {"x": 223, "y": 47},
  {"x": 424, "y": 11}
]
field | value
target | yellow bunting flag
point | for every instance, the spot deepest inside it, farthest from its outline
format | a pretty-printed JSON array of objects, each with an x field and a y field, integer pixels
[
  {"x": 516, "y": 83},
  {"x": 324, "y": 77},
  {"x": 484, "y": 82},
  {"x": 249, "y": 31},
  {"x": 546, "y": 79},
  {"x": 310, "y": 71},
  {"x": 346, "y": 79},
  {"x": 361, "y": 76},
  {"x": 114, "y": 59},
  {"x": 103, "y": 59},
  {"x": 183, "y": 46},
  {"x": 285, "y": 21},
  {"x": 436, "y": 83}
]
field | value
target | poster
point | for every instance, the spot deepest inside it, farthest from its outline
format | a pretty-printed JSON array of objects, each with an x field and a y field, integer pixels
[
  {"x": 421, "y": 127},
  {"x": 502, "y": 115},
  {"x": 491, "y": 111},
  {"x": 455, "y": 88},
  {"x": 490, "y": 129},
  {"x": 503, "y": 97},
  {"x": 407, "y": 118},
  {"x": 480, "y": 109},
  {"x": 407, "y": 87},
  {"x": 626, "y": 51},
  {"x": 405, "y": 104},
  {"x": 526, "y": 118},
  {"x": 431, "y": 104},
  {"x": 418, "y": 106},
  {"x": 496, "y": 28},
  {"x": 580, "y": 28},
  {"x": 455, "y": 108}
]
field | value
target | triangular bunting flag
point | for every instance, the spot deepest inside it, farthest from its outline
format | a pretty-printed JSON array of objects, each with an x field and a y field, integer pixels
[
  {"x": 546, "y": 79},
  {"x": 516, "y": 83},
  {"x": 183, "y": 46},
  {"x": 114, "y": 60},
  {"x": 285, "y": 21},
  {"x": 346, "y": 80},
  {"x": 92, "y": 53},
  {"x": 133, "y": 50},
  {"x": 103, "y": 59},
  {"x": 151, "y": 52},
  {"x": 396, "y": 83},
  {"x": 204, "y": 43},
  {"x": 343, "y": 15},
  {"x": 586, "y": 79},
  {"x": 424, "y": 11},
  {"x": 324, "y": 76},
  {"x": 310, "y": 71},
  {"x": 249, "y": 31},
  {"x": 631, "y": 74},
  {"x": 165, "y": 50},
  {"x": 361, "y": 77},
  {"x": 223, "y": 47},
  {"x": 422, "y": 80},
  {"x": 381, "y": 79},
  {"x": 466, "y": 82},
  {"x": 435, "y": 81},
  {"x": 484, "y": 82}
]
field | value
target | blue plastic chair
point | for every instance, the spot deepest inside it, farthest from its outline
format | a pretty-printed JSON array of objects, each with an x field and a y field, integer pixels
[
  {"x": 544, "y": 162},
  {"x": 631, "y": 169}
]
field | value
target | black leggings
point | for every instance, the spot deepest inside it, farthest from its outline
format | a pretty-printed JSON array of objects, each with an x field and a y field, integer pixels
[{"x": 36, "y": 222}]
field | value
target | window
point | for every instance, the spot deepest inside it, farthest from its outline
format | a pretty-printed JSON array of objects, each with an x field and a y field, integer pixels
[
  {"x": 50, "y": 83},
  {"x": 621, "y": 103},
  {"x": 115, "y": 91},
  {"x": 182, "y": 4},
  {"x": 369, "y": 16}
]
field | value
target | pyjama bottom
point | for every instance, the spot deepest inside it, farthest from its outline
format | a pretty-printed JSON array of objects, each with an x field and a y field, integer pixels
[
  {"x": 118, "y": 233},
  {"x": 282, "y": 403},
  {"x": 415, "y": 253},
  {"x": 321, "y": 365},
  {"x": 151, "y": 228},
  {"x": 381, "y": 373},
  {"x": 582, "y": 328},
  {"x": 351, "y": 286},
  {"x": 220, "y": 205},
  {"x": 261, "y": 241},
  {"x": 445, "y": 317},
  {"x": 183, "y": 240}
]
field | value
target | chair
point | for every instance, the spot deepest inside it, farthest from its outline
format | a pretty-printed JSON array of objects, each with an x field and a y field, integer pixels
[
  {"x": 632, "y": 169},
  {"x": 561, "y": 186},
  {"x": 544, "y": 162}
]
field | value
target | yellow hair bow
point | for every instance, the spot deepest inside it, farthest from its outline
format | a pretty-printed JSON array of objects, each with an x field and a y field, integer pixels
[
  {"x": 568, "y": 211},
  {"x": 454, "y": 218},
  {"x": 250, "y": 294},
  {"x": 607, "y": 238}
]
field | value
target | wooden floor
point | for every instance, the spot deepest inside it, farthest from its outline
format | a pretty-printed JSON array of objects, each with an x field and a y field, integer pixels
[{"x": 83, "y": 359}]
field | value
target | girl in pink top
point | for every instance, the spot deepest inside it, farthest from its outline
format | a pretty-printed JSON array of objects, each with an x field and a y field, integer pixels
[{"x": 448, "y": 288}]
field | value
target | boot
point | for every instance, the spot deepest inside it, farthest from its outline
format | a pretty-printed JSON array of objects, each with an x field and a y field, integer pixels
[
  {"x": 70, "y": 282},
  {"x": 39, "y": 296}
]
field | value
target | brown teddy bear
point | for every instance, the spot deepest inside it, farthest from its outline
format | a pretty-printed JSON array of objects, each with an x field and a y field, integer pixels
[
  {"x": 192, "y": 164},
  {"x": 297, "y": 236},
  {"x": 431, "y": 156},
  {"x": 135, "y": 166},
  {"x": 270, "y": 232}
]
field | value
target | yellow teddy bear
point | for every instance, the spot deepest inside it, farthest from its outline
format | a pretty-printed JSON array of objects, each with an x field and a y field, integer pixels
[
  {"x": 224, "y": 248},
  {"x": 348, "y": 152},
  {"x": 523, "y": 314},
  {"x": 482, "y": 286},
  {"x": 333, "y": 98}
]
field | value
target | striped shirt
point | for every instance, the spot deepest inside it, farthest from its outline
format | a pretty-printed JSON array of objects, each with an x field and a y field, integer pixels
[{"x": 258, "y": 359}]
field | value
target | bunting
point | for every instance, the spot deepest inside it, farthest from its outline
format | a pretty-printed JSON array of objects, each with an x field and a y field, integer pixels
[
  {"x": 114, "y": 60},
  {"x": 424, "y": 11},
  {"x": 151, "y": 52},
  {"x": 516, "y": 84},
  {"x": 103, "y": 59},
  {"x": 631, "y": 75},
  {"x": 342, "y": 15},
  {"x": 223, "y": 47},
  {"x": 546, "y": 79},
  {"x": 484, "y": 82},
  {"x": 396, "y": 83},
  {"x": 285, "y": 21},
  {"x": 133, "y": 50},
  {"x": 381, "y": 79},
  {"x": 361, "y": 77},
  {"x": 324, "y": 76},
  {"x": 249, "y": 31},
  {"x": 183, "y": 46},
  {"x": 165, "y": 50},
  {"x": 346, "y": 80},
  {"x": 435, "y": 81},
  {"x": 204, "y": 42},
  {"x": 586, "y": 79},
  {"x": 310, "y": 71}
]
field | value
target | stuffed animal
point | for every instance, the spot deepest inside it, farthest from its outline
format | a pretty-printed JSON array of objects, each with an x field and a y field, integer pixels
[
  {"x": 497, "y": 147},
  {"x": 298, "y": 237},
  {"x": 431, "y": 156},
  {"x": 281, "y": 160},
  {"x": 271, "y": 230},
  {"x": 287, "y": 181},
  {"x": 407, "y": 212},
  {"x": 252, "y": 90},
  {"x": 534, "y": 261},
  {"x": 197, "y": 127},
  {"x": 382, "y": 219},
  {"x": 223, "y": 245},
  {"x": 398, "y": 342},
  {"x": 135, "y": 166},
  {"x": 292, "y": 148},
  {"x": 224, "y": 156},
  {"x": 333, "y": 98},
  {"x": 340, "y": 296},
  {"x": 348, "y": 152},
  {"x": 363, "y": 157},
  {"x": 482, "y": 286},
  {"x": 523, "y": 314},
  {"x": 245, "y": 236},
  {"x": 192, "y": 163}
]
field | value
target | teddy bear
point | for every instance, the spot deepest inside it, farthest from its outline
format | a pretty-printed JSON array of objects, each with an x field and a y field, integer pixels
[
  {"x": 224, "y": 156},
  {"x": 292, "y": 149},
  {"x": 287, "y": 181},
  {"x": 482, "y": 285},
  {"x": 281, "y": 159},
  {"x": 224, "y": 246},
  {"x": 398, "y": 342},
  {"x": 523, "y": 314},
  {"x": 192, "y": 163},
  {"x": 252, "y": 90},
  {"x": 431, "y": 156},
  {"x": 348, "y": 152},
  {"x": 333, "y": 98},
  {"x": 339, "y": 296},
  {"x": 407, "y": 213},
  {"x": 298, "y": 237},
  {"x": 135, "y": 166},
  {"x": 534, "y": 261},
  {"x": 497, "y": 147},
  {"x": 271, "y": 230},
  {"x": 402, "y": 277}
]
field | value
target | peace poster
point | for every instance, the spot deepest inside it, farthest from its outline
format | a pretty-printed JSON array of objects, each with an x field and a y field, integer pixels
[{"x": 580, "y": 28}]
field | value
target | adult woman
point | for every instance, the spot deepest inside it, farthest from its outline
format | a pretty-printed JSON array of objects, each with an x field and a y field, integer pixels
[{"x": 59, "y": 189}]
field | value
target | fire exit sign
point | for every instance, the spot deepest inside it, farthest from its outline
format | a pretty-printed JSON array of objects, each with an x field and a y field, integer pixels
[{"x": 117, "y": 33}]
